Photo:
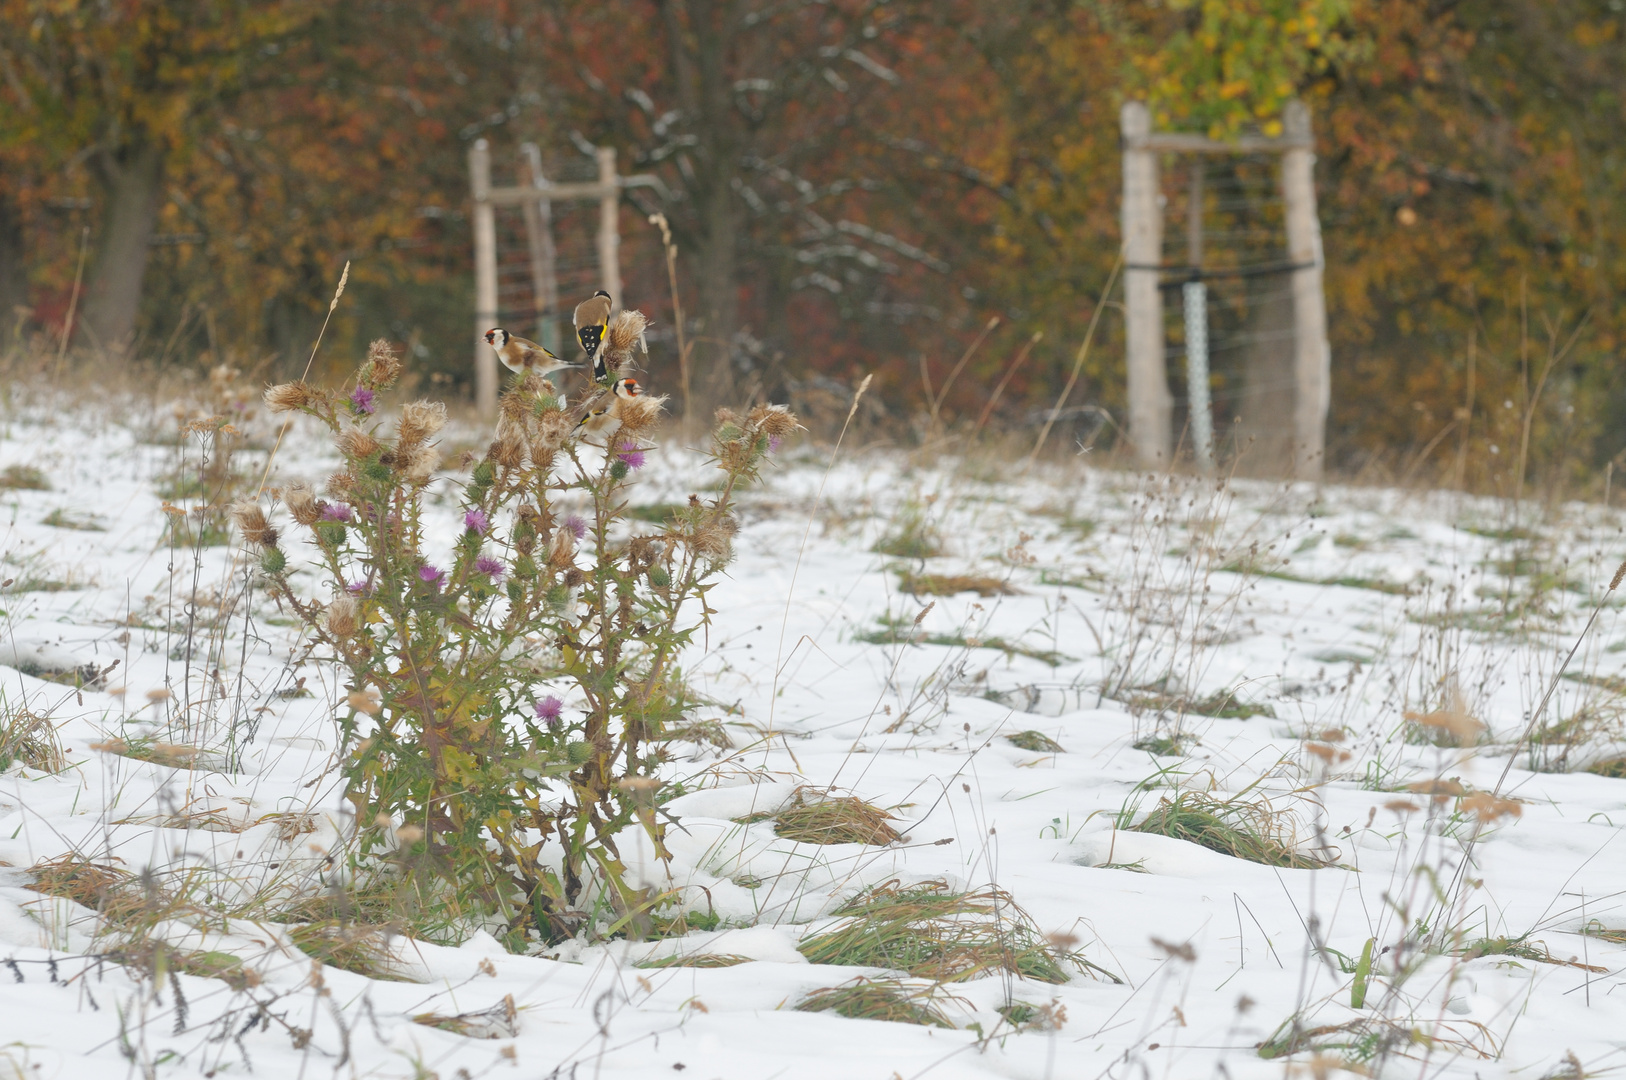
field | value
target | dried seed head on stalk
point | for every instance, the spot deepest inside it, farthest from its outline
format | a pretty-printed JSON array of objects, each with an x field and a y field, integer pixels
[
  {"x": 250, "y": 518},
  {"x": 341, "y": 483},
  {"x": 554, "y": 429},
  {"x": 422, "y": 464},
  {"x": 1620, "y": 574},
  {"x": 563, "y": 549},
  {"x": 357, "y": 445},
  {"x": 343, "y": 617},
  {"x": 774, "y": 421},
  {"x": 640, "y": 413},
  {"x": 301, "y": 502},
  {"x": 285, "y": 397},
  {"x": 420, "y": 420},
  {"x": 625, "y": 333},
  {"x": 509, "y": 450},
  {"x": 714, "y": 538},
  {"x": 382, "y": 367}
]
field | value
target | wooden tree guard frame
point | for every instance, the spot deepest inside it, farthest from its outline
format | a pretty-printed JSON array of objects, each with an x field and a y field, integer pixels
[
  {"x": 1151, "y": 407},
  {"x": 536, "y": 198}
]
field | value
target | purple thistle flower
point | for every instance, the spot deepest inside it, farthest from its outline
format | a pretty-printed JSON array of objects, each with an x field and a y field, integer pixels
[
  {"x": 549, "y": 710},
  {"x": 356, "y": 588},
  {"x": 336, "y": 512},
  {"x": 491, "y": 568},
  {"x": 431, "y": 576},
  {"x": 362, "y": 401},
  {"x": 476, "y": 521},
  {"x": 577, "y": 527},
  {"x": 631, "y": 454},
  {"x": 773, "y": 443}
]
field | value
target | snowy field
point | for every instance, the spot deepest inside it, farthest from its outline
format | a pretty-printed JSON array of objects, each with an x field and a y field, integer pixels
[{"x": 1250, "y": 650}]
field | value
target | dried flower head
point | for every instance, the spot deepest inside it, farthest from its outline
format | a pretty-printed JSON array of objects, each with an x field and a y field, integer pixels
[
  {"x": 553, "y": 428},
  {"x": 422, "y": 464},
  {"x": 301, "y": 502},
  {"x": 357, "y": 445},
  {"x": 343, "y": 617},
  {"x": 563, "y": 549},
  {"x": 640, "y": 413},
  {"x": 364, "y": 701},
  {"x": 420, "y": 420},
  {"x": 250, "y": 519},
  {"x": 286, "y": 397},
  {"x": 341, "y": 483},
  {"x": 774, "y": 421},
  {"x": 575, "y": 577},
  {"x": 382, "y": 367},
  {"x": 509, "y": 450},
  {"x": 625, "y": 333},
  {"x": 715, "y": 537}
]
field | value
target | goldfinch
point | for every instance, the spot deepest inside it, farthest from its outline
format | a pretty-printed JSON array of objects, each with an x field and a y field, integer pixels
[
  {"x": 592, "y": 316},
  {"x": 603, "y": 417},
  {"x": 521, "y": 354}
]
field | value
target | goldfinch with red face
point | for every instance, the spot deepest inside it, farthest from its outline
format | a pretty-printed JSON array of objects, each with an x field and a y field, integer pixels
[
  {"x": 592, "y": 317},
  {"x": 520, "y": 355},
  {"x": 603, "y": 417}
]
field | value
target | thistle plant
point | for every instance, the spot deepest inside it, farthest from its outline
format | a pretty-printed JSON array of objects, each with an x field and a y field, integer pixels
[{"x": 503, "y": 700}]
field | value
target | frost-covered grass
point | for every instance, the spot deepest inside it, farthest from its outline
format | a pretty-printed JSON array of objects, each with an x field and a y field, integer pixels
[{"x": 1339, "y": 677}]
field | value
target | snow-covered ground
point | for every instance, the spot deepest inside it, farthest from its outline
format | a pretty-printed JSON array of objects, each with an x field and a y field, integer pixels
[{"x": 1135, "y": 606}]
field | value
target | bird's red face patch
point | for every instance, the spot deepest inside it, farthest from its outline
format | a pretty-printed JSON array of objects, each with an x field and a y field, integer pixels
[{"x": 491, "y": 336}]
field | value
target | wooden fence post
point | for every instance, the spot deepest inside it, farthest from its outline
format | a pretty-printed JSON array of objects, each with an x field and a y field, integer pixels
[
  {"x": 1150, "y": 405},
  {"x": 609, "y": 227},
  {"x": 544, "y": 257},
  {"x": 1312, "y": 358},
  {"x": 485, "y": 278}
]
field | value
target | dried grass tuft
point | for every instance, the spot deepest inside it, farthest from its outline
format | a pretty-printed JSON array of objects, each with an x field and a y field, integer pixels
[
  {"x": 933, "y": 932},
  {"x": 30, "y": 740},
  {"x": 1035, "y": 741},
  {"x": 500, "y": 1021},
  {"x": 951, "y": 584},
  {"x": 361, "y": 948},
  {"x": 24, "y": 478},
  {"x": 1244, "y": 830},
  {"x": 696, "y": 960},
  {"x": 815, "y": 817},
  {"x": 879, "y": 999}
]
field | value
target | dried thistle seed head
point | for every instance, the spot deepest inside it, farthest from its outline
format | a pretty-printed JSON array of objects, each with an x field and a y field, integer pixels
[
  {"x": 625, "y": 333},
  {"x": 285, "y": 397},
  {"x": 563, "y": 549},
  {"x": 250, "y": 519},
  {"x": 422, "y": 464},
  {"x": 420, "y": 420},
  {"x": 301, "y": 502},
  {"x": 714, "y": 537},
  {"x": 356, "y": 445},
  {"x": 382, "y": 367},
  {"x": 554, "y": 428},
  {"x": 542, "y": 455},
  {"x": 575, "y": 577},
  {"x": 640, "y": 413},
  {"x": 343, "y": 617},
  {"x": 341, "y": 483},
  {"x": 509, "y": 450},
  {"x": 774, "y": 421}
]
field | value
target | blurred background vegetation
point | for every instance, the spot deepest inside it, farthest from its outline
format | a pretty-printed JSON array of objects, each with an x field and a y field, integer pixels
[{"x": 854, "y": 185}]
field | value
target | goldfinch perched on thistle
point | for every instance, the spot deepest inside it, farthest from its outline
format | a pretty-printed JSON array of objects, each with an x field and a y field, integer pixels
[
  {"x": 592, "y": 318},
  {"x": 623, "y": 408},
  {"x": 520, "y": 355}
]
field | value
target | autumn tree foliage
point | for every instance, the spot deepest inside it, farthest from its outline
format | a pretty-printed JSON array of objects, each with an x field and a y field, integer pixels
[{"x": 853, "y": 186}]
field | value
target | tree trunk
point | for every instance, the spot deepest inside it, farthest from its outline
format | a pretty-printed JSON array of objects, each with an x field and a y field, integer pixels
[
  {"x": 701, "y": 38},
  {"x": 13, "y": 271},
  {"x": 132, "y": 183}
]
